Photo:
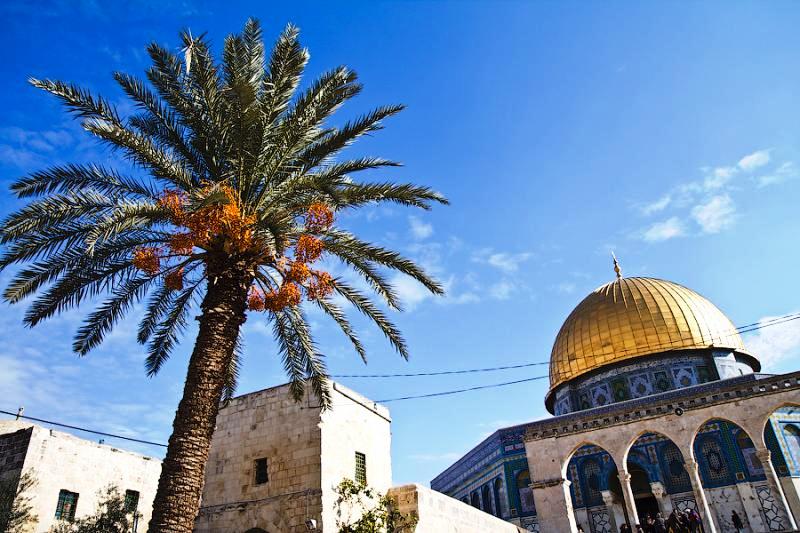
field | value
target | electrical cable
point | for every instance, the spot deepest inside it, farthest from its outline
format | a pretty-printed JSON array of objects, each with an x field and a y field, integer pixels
[
  {"x": 741, "y": 329},
  {"x": 102, "y": 433}
]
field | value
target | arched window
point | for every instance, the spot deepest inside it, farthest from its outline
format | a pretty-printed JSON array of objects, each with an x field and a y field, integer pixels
[
  {"x": 672, "y": 467},
  {"x": 525, "y": 493},
  {"x": 496, "y": 487},
  {"x": 748, "y": 449},
  {"x": 486, "y": 499},
  {"x": 476, "y": 500},
  {"x": 714, "y": 462},
  {"x": 591, "y": 477},
  {"x": 792, "y": 434}
]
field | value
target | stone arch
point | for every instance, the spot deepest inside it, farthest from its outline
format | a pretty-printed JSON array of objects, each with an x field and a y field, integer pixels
[
  {"x": 698, "y": 429},
  {"x": 729, "y": 468},
  {"x": 573, "y": 451},
  {"x": 255, "y": 530},
  {"x": 597, "y": 502},
  {"x": 661, "y": 459},
  {"x": 767, "y": 416},
  {"x": 487, "y": 503},
  {"x": 629, "y": 443},
  {"x": 781, "y": 437},
  {"x": 497, "y": 489}
]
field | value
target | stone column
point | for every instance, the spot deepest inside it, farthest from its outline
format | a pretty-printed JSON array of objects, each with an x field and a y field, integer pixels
[
  {"x": 700, "y": 495},
  {"x": 582, "y": 518},
  {"x": 628, "y": 499},
  {"x": 615, "y": 514},
  {"x": 791, "y": 488},
  {"x": 775, "y": 488},
  {"x": 751, "y": 506},
  {"x": 664, "y": 503},
  {"x": 554, "y": 505}
]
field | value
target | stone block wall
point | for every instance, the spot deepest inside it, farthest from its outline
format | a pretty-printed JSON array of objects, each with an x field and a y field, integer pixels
[
  {"x": 308, "y": 453},
  {"x": 266, "y": 424},
  {"x": 438, "y": 513},
  {"x": 62, "y": 461},
  {"x": 353, "y": 424},
  {"x": 13, "y": 448}
]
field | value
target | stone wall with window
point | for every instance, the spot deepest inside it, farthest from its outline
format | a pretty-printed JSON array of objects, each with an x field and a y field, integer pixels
[
  {"x": 72, "y": 472},
  {"x": 274, "y": 462}
]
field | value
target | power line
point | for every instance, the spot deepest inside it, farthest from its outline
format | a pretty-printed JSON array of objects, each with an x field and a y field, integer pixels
[
  {"x": 748, "y": 328},
  {"x": 441, "y": 373},
  {"x": 457, "y": 391},
  {"x": 741, "y": 329},
  {"x": 102, "y": 433}
]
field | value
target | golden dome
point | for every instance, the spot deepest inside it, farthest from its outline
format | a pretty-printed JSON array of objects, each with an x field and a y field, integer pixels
[{"x": 632, "y": 317}]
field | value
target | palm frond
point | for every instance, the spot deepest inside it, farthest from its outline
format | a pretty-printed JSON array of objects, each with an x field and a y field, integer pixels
[{"x": 166, "y": 335}]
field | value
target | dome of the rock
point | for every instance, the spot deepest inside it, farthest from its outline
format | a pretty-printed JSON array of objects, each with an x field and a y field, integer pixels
[{"x": 634, "y": 317}]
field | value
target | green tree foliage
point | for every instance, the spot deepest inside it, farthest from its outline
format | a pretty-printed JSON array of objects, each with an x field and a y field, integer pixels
[
  {"x": 228, "y": 160},
  {"x": 374, "y": 512},
  {"x": 111, "y": 516},
  {"x": 16, "y": 512}
]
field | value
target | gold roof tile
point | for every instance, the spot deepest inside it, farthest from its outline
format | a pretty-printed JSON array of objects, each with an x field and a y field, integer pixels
[{"x": 632, "y": 317}]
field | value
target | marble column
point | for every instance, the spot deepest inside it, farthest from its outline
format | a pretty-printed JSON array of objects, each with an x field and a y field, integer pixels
[
  {"x": 615, "y": 514},
  {"x": 627, "y": 496},
  {"x": 582, "y": 518},
  {"x": 662, "y": 498},
  {"x": 554, "y": 505},
  {"x": 700, "y": 495},
  {"x": 775, "y": 487},
  {"x": 751, "y": 506}
]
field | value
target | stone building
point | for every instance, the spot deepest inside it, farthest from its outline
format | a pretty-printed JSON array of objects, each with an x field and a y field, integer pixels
[
  {"x": 274, "y": 465},
  {"x": 658, "y": 406},
  {"x": 271, "y": 458},
  {"x": 70, "y": 473}
]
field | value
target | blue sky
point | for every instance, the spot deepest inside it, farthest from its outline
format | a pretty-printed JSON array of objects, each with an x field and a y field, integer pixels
[{"x": 560, "y": 131}]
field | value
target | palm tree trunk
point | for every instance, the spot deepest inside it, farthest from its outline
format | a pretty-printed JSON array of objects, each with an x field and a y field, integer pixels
[{"x": 177, "y": 500}]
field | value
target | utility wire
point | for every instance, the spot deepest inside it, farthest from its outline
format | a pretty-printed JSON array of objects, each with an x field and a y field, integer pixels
[
  {"x": 458, "y": 391},
  {"x": 441, "y": 373},
  {"x": 741, "y": 329},
  {"x": 102, "y": 433}
]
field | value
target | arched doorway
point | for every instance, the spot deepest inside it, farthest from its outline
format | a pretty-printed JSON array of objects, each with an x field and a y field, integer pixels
[
  {"x": 659, "y": 480},
  {"x": 782, "y": 438},
  {"x": 597, "y": 502},
  {"x": 728, "y": 466},
  {"x": 486, "y": 499},
  {"x": 496, "y": 488}
]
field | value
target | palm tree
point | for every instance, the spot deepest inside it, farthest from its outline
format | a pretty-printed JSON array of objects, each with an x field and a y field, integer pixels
[{"x": 233, "y": 204}]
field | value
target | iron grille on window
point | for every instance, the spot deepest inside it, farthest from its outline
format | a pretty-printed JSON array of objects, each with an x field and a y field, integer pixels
[
  {"x": 361, "y": 468},
  {"x": 131, "y": 501},
  {"x": 67, "y": 502},
  {"x": 261, "y": 471}
]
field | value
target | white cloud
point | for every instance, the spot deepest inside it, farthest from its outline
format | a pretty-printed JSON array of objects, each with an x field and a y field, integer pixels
[
  {"x": 784, "y": 172},
  {"x": 755, "y": 160},
  {"x": 718, "y": 178},
  {"x": 507, "y": 262},
  {"x": 501, "y": 290},
  {"x": 716, "y": 214},
  {"x": 657, "y": 206},
  {"x": 565, "y": 287},
  {"x": 410, "y": 292},
  {"x": 662, "y": 231},
  {"x": 419, "y": 229},
  {"x": 775, "y": 343}
]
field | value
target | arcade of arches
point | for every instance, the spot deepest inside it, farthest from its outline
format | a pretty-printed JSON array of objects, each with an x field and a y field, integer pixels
[{"x": 658, "y": 406}]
